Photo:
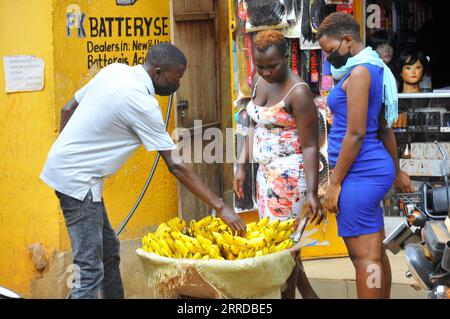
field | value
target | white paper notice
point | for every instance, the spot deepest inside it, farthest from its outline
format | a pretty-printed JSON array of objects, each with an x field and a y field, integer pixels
[{"x": 23, "y": 73}]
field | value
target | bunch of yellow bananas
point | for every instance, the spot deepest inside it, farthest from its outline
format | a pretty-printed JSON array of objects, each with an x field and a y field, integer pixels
[{"x": 211, "y": 238}]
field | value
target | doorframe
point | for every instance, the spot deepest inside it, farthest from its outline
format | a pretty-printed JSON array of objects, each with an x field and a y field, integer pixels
[{"x": 223, "y": 95}]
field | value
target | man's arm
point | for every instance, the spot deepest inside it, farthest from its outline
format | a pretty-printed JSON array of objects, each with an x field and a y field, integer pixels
[
  {"x": 193, "y": 183},
  {"x": 66, "y": 113}
]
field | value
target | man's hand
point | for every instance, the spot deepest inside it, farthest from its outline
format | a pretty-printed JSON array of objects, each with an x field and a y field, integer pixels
[
  {"x": 194, "y": 184},
  {"x": 233, "y": 220},
  {"x": 403, "y": 183},
  {"x": 313, "y": 208},
  {"x": 331, "y": 198}
]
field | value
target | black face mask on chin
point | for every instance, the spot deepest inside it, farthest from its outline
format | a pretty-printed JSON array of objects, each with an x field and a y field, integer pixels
[
  {"x": 338, "y": 60},
  {"x": 164, "y": 90}
]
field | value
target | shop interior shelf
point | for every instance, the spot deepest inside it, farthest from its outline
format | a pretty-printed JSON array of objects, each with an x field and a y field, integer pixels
[{"x": 400, "y": 131}]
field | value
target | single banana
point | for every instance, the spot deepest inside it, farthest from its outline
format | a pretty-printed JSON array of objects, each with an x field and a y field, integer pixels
[
  {"x": 205, "y": 233},
  {"x": 263, "y": 222},
  {"x": 162, "y": 228},
  {"x": 218, "y": 238},
  {"x": 251, "y": 227},
  {"x": 253, "y": 234},
  {"x": 230, "y": 256},
  {"x": 177, "y": 254},
  {"x": 284, "y": 245},
  {"x": 144, "y": 240},
  {"x": 226, "y": 248},
  {"x": 204, "y": 221},
  {"x": 155, "y": 247},
  {"x": 170, "y": 241},
  {"x": 213, "y": 253},
  {"x": 205, "y": 242},
  {"x": 197, "y": 256},
  {"x": 280, "y": 236},
  {"x": 287, "y": 224},
  {"x": 173, "y": 223},
  {"x": 258, "y": 242},
  {"x": 191, "y": 247},
  {"x": 147, "y": 248},
  {"x": 177, "y": 224},
  {"x": 179, "y": 245},
  {"x": 163, "y": 244},
  {"x": 286, "y": 235},
  {"x": 228, "y": 238},
  {"x": 235, "y": 250},
  {"x": 197, "y": 244},
  {"x": 162, "y": 225},
  {"x": 186, "y": 238},
  {"x": 166, "y": 253},
  {"x": 242, "y": 255},
  {"x": 274, "y": 225},
  {"x": 241, "y": 241},
  {"x": 223, "y": 228},
  {"x": 216, "y": 248},
  {"x": 193, "y": 225},
  {"x": 269, "y": 235},
  {"x": 213, "y": 227},
  {"x": 176, "y": 235}
]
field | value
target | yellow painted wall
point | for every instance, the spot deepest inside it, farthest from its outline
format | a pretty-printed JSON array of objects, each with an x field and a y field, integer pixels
[
  {"x": 29, "y": 210},
  {"x": 71, "y": 72}
]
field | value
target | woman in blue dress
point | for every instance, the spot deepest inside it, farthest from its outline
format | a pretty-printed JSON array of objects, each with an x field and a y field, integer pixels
[{"x": 361, "y": 149}]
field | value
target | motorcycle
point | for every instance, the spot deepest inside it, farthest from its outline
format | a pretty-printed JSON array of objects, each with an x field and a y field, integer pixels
[{"x": 424, "y": 234}]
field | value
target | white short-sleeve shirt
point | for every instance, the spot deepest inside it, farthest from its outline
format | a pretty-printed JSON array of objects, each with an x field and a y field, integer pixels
[{"x": 117, "y": 112}]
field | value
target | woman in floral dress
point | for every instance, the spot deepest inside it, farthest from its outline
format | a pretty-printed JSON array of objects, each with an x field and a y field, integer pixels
[{"x": 283, "y": 140}]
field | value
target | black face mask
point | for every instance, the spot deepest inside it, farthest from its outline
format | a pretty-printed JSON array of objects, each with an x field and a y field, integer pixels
[
  {"x": 165, "y": 90},
  {"x": 338, "y": 60}
]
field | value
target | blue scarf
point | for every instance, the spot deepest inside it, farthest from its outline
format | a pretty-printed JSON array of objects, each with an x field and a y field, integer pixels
[{"x": 390, "y": 97}]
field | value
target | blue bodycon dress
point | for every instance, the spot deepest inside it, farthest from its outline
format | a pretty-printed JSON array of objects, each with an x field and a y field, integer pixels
[{"x": 372, "y": 173}]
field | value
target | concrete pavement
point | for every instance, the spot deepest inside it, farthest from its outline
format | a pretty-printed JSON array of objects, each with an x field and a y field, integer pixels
[{"x": 335, "y": 278}]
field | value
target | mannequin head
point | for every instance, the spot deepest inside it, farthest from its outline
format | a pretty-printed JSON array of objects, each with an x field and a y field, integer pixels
[
  {"x": 412, "y": 65},
  {"x": 381, "y": 42}
]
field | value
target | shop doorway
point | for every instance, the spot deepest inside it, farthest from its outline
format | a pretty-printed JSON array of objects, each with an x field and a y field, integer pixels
[{"x": 194, "y": 31}]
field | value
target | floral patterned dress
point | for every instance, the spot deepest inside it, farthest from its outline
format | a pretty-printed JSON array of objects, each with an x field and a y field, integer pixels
[{"x": 280, "y": 181}]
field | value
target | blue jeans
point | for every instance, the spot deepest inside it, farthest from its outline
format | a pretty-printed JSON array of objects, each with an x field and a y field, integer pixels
[{"x": 96, "y": 248}]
